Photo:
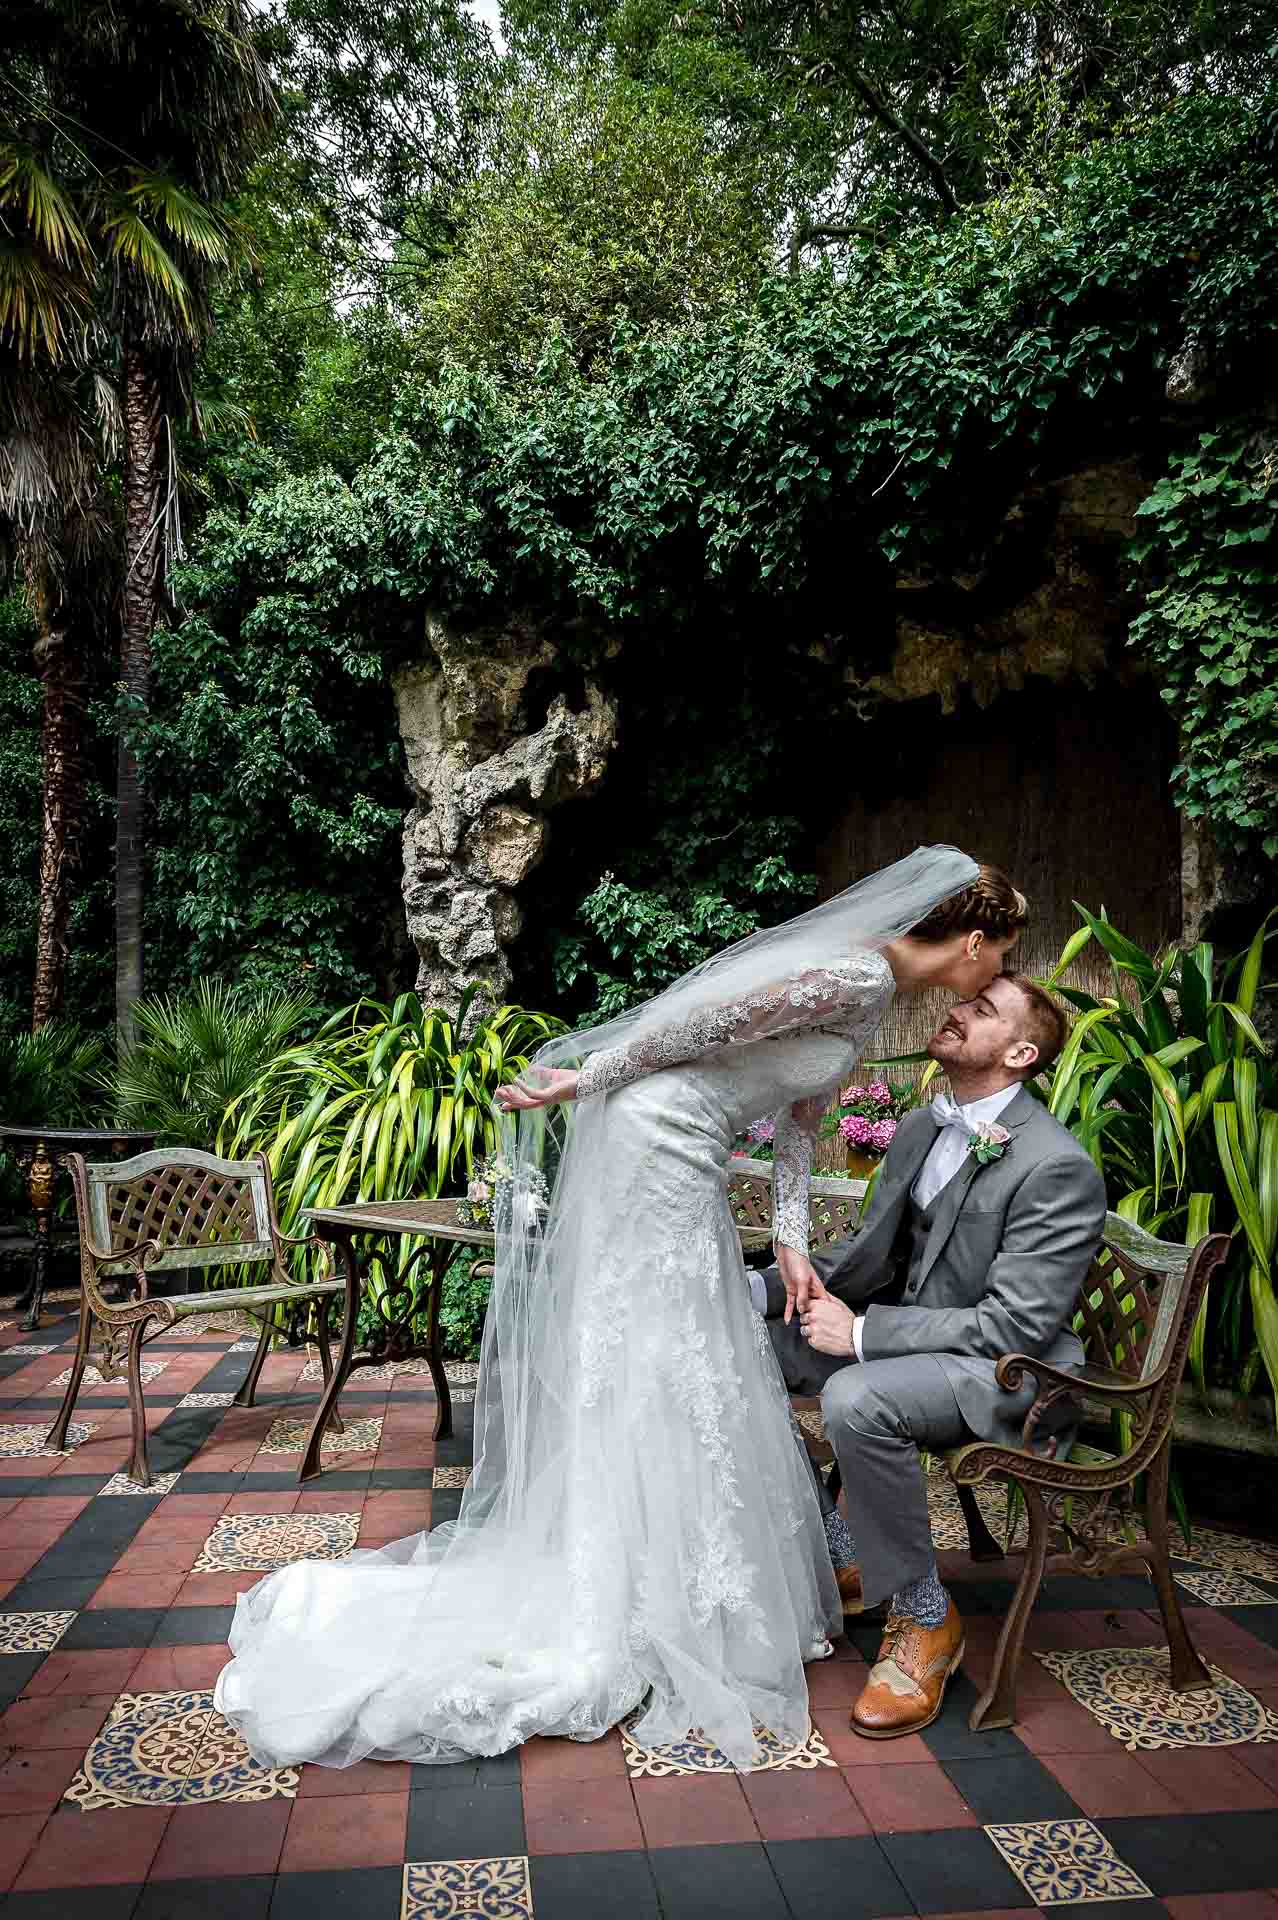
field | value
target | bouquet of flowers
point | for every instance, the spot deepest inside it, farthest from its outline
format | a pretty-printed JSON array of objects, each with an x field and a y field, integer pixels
[
  {"x": 868, "y": 1116},
  {"x": 488, "y": 1192}
]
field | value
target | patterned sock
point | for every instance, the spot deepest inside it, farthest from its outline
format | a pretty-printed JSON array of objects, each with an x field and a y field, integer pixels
[
  {"x": 839, "y": 1540},
  {"x": 923, "y": 1600}
]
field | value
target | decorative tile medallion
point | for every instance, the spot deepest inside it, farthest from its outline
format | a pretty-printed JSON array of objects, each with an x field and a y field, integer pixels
[
  {"x": 27, "y": 1351},
  {"x": 206, "y": 1400},
  {"x": 1231, "y": 1553},
  {"x": 949, "y": 1528},
  {"x": 96, "y": 1382},
  {"x": 169, "y": 1750},
  {"x": 256, "y": 1542},
  {"x": 1066, "y": 1862},
  {"x": 32, "y": 1632},
  {"x": 496, "y": 1889},
  {"x": 1224, "y": 1589},
  {"x": 461, "y": 1396},
  {"x": 461, "y": 1373},
  {"x": 32, "y": 1441},
  {"x": 243, "y": 1346},
  {"x": 121, "y": 1483},
  {"x": 289, "y": 1436},
  {"x": 1129, "y": 1691},
  {"x": 200, "y": 1324},
  {"x": 697, "y": 1755},
  {"x": 450, "y": 1476},
  {"x": 388, "y": 1370}
]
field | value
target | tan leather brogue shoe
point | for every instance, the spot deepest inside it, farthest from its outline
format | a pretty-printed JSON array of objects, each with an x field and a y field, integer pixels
[
  {"x": 849, "y": 1582},
  {"x": 906, "y": 1687}
]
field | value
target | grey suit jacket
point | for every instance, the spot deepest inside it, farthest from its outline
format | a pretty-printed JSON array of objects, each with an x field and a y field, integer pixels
[{"x": 1009, "y": 1248}]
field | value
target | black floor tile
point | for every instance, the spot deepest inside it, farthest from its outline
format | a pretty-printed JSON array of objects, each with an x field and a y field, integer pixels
[
  {"x": 1257, "y": 1620},
  {"x": 445, "y": 1504},
  {"x": 33, "y": 1595},
  {"x": 1075, "y": 1593},
  {"x": 1199, "y": 1852},
  {"x": 951, "y": 1737},
  {"x": 1010, "y": 1787},
  {"x": 16, "y": 1669},
  {"x": 503, "y": 1771},
  {"x": 466, "y": 1823},
  {"x": 850, "y": 1878},
  {"x": 248, "y": 1898},
  {"x": 384, "y": 1478},
  {"x": 112, "y": 1627},
  {"x": 717, "y": 1883},
  {"x": 957, "y": 1871},
  {"x": 358, "y": 1893},
  {"x": 73, "y": 1903},
  {"x": 584, "y": 1886},
  {"x": 194, "y": 1626},
  {"x": 62, "y": 1484}
]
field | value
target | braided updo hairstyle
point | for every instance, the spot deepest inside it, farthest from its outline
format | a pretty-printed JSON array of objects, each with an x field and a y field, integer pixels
[{"x": 991, "y": 905}]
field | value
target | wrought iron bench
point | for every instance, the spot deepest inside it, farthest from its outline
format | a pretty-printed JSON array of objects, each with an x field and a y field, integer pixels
[
  {"x": 1135, "y": 1316},
  {"x": 169, "y": 1211}
]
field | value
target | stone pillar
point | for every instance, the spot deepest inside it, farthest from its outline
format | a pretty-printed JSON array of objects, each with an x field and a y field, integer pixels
[{"x": 488, "y": 760}]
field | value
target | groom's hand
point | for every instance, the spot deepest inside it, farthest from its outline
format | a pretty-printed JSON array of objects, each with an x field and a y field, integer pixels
[{"x": 826, "y": 1324}]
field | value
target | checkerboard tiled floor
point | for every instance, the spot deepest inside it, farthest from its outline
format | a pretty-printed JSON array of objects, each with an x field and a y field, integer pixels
[{"x": 123, "y": 1796}]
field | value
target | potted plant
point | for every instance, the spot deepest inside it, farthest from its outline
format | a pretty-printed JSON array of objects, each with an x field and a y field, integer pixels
[{"x": 867, "y": 1118}]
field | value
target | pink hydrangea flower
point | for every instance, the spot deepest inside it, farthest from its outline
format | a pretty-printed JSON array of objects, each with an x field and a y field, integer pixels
[
  {"x": 849, "y": 1094},
  {"x": 880, "y": 1090},
  {"x": 882, "y": 1134},
  {"x": 761, "y": 1130},
  {"x": 856, "y": 1128}
]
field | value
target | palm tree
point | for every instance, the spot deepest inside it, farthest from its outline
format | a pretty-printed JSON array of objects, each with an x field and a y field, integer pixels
[{"x": 143, "y": 120}]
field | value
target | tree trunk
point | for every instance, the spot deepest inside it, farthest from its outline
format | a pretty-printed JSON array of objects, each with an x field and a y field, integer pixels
[
  {"x": 144, "y": 505},
  {"x": 61, "y": 791}
]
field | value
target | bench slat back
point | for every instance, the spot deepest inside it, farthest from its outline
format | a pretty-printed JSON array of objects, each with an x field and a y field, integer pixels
[{"x": 203, "y": 1211}]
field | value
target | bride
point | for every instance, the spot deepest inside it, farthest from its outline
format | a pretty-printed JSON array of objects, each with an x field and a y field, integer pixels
[{"x": 640, "y": 1530}]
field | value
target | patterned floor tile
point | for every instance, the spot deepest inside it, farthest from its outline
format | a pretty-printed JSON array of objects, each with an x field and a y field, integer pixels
[
  {"x": 31, "y": 1441},
  {"x": 169, "y": 1750},
  {"x": 1128, "y": 1690},
  {"x": 204, "y": 1323},
  {"x": 206, "y": 1400},
  {"x": 31, "y": 1350},
  {"x": 257, "y": 1542},
  {"x": 1232, "y": 1553},
  {"x": 289, "y": 1436},
  {"x": 451, "y": 1476},
  {"x": 95, "y": 1381},
  {"x": 696, "y": 1755},
  {"x": 495, "y": 1889},
  {"x": 244, "y": 1346},
  {"x": 160, "y": 1483},
  {"x": 1212, "y": 1589},
  {"x": 32, "y": 1632},
  {"x": 1066, "y": 1862},
  {"x": 388, "y": 1370}
]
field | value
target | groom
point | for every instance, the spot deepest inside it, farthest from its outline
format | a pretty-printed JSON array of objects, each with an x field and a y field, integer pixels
[{"x": 984, "y": 1219}]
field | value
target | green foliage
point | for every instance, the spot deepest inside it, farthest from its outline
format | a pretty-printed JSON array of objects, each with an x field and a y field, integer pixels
[
  {"x": 383, "y": 1103},
  {"x": 196, "y": 1054},
  {"x": 462, "y": 1306},
  {"x": 51, "y": 1078},
  {"x": 19, "y": 811},
  {"x": 1209, "y": 561},
  {"x": 1168, "y": 1085}
]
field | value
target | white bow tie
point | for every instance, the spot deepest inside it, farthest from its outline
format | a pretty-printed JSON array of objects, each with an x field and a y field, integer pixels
[{"x": 947, "y": 1114}]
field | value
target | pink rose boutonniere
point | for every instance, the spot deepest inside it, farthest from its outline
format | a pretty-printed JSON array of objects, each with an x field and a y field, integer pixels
[{"x": 987, "y": 1142}]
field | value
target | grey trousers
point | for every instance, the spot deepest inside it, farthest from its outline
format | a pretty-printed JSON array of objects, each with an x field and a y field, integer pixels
[{"x": 877, "y": 1416}]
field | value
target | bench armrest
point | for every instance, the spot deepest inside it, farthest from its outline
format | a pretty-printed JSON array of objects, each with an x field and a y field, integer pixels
[{"x": 1055, "y": 1383}]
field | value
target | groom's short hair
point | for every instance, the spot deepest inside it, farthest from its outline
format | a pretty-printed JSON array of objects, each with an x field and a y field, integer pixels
[{"x": 1045, "y": 1025}]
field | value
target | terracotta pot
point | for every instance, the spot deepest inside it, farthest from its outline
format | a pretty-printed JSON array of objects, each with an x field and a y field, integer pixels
[{"x": 861, "y": 1164}]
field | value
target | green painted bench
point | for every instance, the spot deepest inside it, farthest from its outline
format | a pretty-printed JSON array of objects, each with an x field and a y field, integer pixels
[{"x": 170, "y": 1211}]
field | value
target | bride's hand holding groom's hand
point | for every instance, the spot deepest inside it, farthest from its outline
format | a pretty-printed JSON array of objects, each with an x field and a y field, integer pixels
[
  {"x": 554, "y": 1085},
  {"x": 826, "y": 1324}
]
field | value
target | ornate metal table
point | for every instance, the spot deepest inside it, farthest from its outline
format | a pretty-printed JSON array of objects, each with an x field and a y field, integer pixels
[{"x": 41, "y": 1153}]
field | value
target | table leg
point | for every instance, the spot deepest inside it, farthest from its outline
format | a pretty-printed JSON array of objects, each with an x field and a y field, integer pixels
[
  {"x": 434, "y": 1358},
  {"x": 40, "y": 1178},
  {"x": 345, "y": 1248}
]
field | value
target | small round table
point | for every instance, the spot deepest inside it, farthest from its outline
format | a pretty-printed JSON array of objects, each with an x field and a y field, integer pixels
[{"x": 41, "y": 1153}]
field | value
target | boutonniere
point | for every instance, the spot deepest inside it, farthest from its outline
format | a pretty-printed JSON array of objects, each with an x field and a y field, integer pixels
[{"x": 988, "y": 1142}]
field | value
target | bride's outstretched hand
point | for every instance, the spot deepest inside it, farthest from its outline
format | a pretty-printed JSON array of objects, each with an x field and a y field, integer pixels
[
  {"x": 553, "y": 1085},
  {"x": 798, "y": 1278}
]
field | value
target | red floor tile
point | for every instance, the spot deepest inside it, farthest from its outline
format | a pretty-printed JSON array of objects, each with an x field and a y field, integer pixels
[
  {"x": 909, "y": 1799},
  {"x": 138, "y": 1590},
  {"x": 682, "y": 1812},
  {"x": 17, "y": 1561},
  {"x": 1210, "y": 1780},
  {"x": 160, "y": 1556},
  {"x": 333, "y": 1831},
  {"x": 55, "y": 1720},
  {"x": 108, "y": 1848},
  {"x": 1047, "y": 1727},
  {"x": 95, "y": 1670},
  {"x": 285, "y": 1501},
  {"x": 1222, "y": 1906},
  {"x": 1262, "y": 1761},
  {"x": 854, "y": 1750},
  {"x": 835, "y": 1683},
  {"x": 562, "y": 1817},
  {"x": 33, "y": 1529},
  {"x": 545, "y": 1760},
  {"x": 34, "y": 1782},
  {"x": 178, "y": 1669},
  {"x": 210, "y": 1505},
  {"x": 222, "y": 1838},
  {"x": 1111, "y": 1786},
  {"x": 365, "y": 1777},
  {"x": 18, "y": 1834},
  {"x": 329, "y": 1502},
  {"x": 793, "y": 1804},
  {"x": 215, "y": 1589},
  {"x": 164, "y": 1526}
]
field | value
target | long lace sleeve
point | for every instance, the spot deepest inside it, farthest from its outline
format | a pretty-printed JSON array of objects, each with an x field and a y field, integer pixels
[
  {"x": 791, "y": 1172},
  {"x": 805, "y": 1000}
]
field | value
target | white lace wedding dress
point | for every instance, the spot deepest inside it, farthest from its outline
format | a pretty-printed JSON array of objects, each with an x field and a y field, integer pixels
[{"x": 641, "y": 1527}]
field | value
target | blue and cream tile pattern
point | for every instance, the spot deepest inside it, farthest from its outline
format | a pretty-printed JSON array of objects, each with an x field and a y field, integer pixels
[
  {"x": 170, "y": 1750},
  {"x": 32, "y": 1632},
  {"x": 1207, "y": 1588},
  {"x": 257, "y": 1542},
  {"x": 450, "y": 1476},
  {"x": 206, "y": 1400},
  {"x": 160, "y": 1483},
  {"x": 696, "y": 1755},
  {"x": 496, "y": 1889},
  {"x": 32, "y": 1440},
  {"x": 1066, "y": 1863},
  {"x": 1129, "y": 1691},
  {"x": 95, "y": 1381},
  {"x": 290, "y": 1436}
]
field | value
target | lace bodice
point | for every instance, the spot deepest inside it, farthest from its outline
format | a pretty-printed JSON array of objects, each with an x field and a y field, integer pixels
[{"x": 844, "y": 1003}]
